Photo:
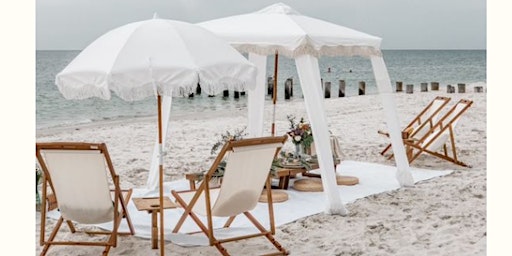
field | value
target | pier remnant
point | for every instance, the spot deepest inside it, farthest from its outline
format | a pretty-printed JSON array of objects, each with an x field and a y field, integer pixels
[
  {"x": 424, "y": 87},
  {"x": 341, "y": 90},
  {"x": 450, "y": 88},
  {"x": 362, "y": 87},
  {"x": 327, "y": 90},
  {"x": 409, "y": 88},
  {"x": 399, "y": 86},
  {"x": 434, "y": 86},
  {"x": 461, "y": 88}
]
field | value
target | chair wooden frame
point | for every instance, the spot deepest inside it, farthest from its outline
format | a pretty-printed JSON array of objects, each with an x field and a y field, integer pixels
[
  {"x": 445, "y": 125},
  {"x": 204, "y": 191},
  {"x": 119, "y": 199},
  {"x": 422, "y": 122}
]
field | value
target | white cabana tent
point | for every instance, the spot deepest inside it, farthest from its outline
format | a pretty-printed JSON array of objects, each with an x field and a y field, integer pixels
[{"x": 280, "y": 29}]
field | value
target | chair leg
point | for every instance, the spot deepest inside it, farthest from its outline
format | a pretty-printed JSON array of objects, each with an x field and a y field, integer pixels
[
  {"x": 385, "y": 149},
  {"x": 52, "y": 236},
  {"x": 267, "y": 234}
]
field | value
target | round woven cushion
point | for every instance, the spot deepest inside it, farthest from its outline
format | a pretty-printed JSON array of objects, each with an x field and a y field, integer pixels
[
  {"x": 278, "y": 196},
  {"x": 308, "y": 185},
  {"x": 315, "y": 184},
  {"x": 346, "y": 180}
]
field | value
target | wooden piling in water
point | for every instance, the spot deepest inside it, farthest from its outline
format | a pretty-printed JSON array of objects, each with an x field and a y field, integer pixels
[
  {"x": 327, "y": 90},
  {"x": 424, "y": 87},
  {"x": 399, "y": 86},
  {"x": 461, "y": 88},
  {"x": 450, "y": 88},
  {"x": 288, "y": 89},
  {"x": 236, "y": 94},
  {"x": 198, "y": 89},
  {"x": 434, "y": 86},
  {"x": 362, "y": 87},
  {"x": 225, "y": 93},
  {"x": 270, "y": 85},
  {"x": 409, "y": 88},
  {"x": 341, "y": 90}
]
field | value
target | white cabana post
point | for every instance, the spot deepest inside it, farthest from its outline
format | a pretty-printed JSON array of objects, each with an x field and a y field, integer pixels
[
  {"x": 256, "y": 97},
  {"x": 388, "y": 101},
  {"x": 307, "y": 68}
]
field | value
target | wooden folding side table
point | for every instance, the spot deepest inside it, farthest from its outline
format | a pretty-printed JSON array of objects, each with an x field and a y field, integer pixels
[{"x": 152, "y": 206}]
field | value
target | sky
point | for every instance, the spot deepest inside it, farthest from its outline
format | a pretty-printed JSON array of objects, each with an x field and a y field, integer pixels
[{"x": 402, "y": 24}]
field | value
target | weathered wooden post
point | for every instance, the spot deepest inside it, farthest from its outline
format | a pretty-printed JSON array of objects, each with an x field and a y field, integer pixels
[
  {"x": 225, "y": 93},
  {"x": 341, "y": 91},
  {"x": 409, "y": 88},
  {"x": 270, "y": 85},
  {"x": 198, "y": 89},
  {"x": 450, "y": 88},
  {"x": 236, "y": 94},
  {"x": 327, "y": 90},
  {"x": 479, "y": 89},
  {"x": 399, "y": 86},
  {"x": 424, "y": 87},
  {"x": 461, "y": 88},
  {"x": 362, "y": 87},
  {"x": 291, "y": 82},
  {"x": 434, "y": 86},
  {"x": 288, "y": 89}
]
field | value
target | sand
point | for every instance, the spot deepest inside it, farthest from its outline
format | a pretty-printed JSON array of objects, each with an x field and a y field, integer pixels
[{"x": 441, "y": 216}]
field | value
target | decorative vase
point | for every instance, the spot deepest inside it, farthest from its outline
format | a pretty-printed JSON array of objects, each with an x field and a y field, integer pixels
[{"x": 298, "y": 150}]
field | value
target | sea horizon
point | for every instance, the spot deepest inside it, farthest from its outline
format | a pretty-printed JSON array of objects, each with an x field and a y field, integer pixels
[{"x": 411, "y": 66}]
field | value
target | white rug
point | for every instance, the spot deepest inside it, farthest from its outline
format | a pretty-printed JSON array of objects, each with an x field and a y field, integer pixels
[{"x": 373, "y": 179}]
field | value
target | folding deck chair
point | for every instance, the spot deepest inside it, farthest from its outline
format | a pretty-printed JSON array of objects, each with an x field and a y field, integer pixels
[
  {"x": 78, "y": 174},
  {"x": 248, "y": 163},
  {"x": 423, "y": 122},
  {"x": 440, "y": 136}
]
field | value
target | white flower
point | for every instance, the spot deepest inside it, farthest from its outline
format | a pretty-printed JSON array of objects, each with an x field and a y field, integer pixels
[{"x": 297, "y": 138}]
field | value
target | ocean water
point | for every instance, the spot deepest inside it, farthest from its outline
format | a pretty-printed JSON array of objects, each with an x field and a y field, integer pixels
[{"x": 408, "y": 66}]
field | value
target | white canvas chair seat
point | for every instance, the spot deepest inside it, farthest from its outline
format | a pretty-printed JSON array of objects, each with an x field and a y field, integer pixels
[
  {"x": 246, "y": 174},
  {"x": 423, "y": 122},
  {"x": 79, "y": 174},
  {"x": 440, "y": 137}
]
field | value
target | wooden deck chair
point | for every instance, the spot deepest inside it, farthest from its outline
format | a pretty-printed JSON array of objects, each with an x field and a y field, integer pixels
[
  {"x": 423, "y": 122},
  {"x": 248, "y": 163},
  {"x": 78, "y": 175},
  {"x": 440, "y": 136}
]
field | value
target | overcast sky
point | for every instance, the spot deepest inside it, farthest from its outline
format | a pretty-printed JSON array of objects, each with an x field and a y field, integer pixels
[{"x": 402, "y": 24}]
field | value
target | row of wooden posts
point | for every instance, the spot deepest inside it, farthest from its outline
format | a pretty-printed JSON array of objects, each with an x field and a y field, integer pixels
[{"x": 288, "y": 88}]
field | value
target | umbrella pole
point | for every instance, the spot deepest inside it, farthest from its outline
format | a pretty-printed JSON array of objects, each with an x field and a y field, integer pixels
[
  {"x": 161, "y": 175},
  {"x": 274, "y": 95}
]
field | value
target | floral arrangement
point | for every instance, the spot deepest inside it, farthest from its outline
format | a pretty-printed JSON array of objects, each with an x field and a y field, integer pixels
[
  {"x": 237, "y": 134},
  {"x": 300, "y": 132}
]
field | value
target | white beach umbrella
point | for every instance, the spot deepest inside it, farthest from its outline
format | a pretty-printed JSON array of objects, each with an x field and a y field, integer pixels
[
  {"x": 155, "y": 57},
  {"x": 278, "y": 29}
]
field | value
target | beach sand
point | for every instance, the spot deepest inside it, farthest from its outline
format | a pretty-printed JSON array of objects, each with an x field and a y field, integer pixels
[{"x": 441, "y": 216}]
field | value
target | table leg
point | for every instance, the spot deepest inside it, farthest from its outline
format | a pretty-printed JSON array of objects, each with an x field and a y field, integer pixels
[
  {"x": 154, "y": 230},
  {"x": 286, "y": 182}
]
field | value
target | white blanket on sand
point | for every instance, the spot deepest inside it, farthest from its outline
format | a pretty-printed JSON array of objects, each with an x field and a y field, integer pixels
[{"x": 373, "y": 179}]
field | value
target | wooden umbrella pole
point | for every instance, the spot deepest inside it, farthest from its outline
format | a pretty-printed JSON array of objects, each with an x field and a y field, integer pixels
[
  {"x": 161, "y": 175},
  {"x": 274, "y": 95}
]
